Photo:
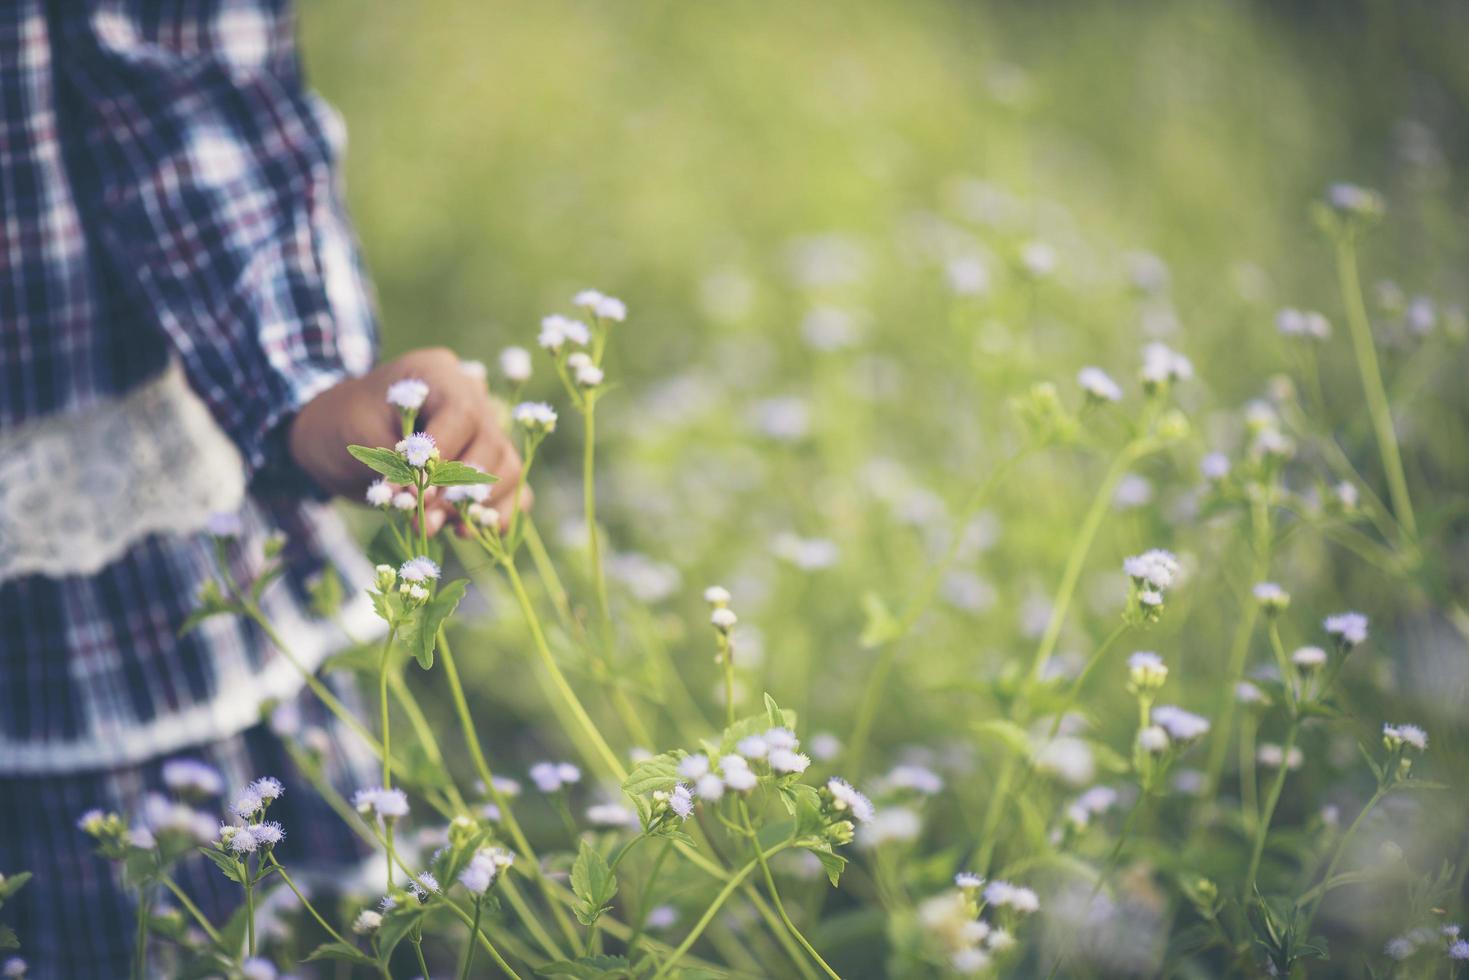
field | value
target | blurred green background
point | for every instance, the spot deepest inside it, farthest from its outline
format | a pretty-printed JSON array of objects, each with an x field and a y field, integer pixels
[{"x": 728, "y": 169}]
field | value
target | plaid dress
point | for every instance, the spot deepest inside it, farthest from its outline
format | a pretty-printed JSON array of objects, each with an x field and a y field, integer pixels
[{"x": 177, "y": 278}]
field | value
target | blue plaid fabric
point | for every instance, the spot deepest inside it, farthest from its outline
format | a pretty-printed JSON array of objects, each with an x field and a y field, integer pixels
[{"x": 168, "y": 194}]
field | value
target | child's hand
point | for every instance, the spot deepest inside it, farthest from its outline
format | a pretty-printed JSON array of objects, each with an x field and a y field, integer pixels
[{"x": 457, "y": 413}]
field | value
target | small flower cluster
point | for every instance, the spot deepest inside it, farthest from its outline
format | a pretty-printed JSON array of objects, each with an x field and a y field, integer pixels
[
  {"x": 958, "y": 935},
  {"x": 1152, "y": 574}
]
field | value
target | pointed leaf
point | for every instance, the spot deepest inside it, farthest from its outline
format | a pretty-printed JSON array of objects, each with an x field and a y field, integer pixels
[
  {"x": 385, "y": 461},
  {"x": 452, "y": 473}
]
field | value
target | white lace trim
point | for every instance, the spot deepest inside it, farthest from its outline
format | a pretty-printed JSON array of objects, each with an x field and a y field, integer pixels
[{"x": 77, "y": 490}]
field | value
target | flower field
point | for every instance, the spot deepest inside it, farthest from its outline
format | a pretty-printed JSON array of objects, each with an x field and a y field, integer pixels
[{"x": 1008, "y": 521}]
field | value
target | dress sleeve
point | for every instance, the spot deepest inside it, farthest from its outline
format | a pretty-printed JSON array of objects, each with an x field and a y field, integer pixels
[{"x": 213, "y": 172}]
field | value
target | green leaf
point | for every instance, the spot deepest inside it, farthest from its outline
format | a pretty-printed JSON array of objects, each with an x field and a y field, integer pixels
[
  {"x": 881, "y": 626},
  {"x": 833, "y": 864},
  {"x": 1008, "y": 732},
  {"x": 14, "y": 883},
  {"x": 8, "y": 938},
  {"x": 326, "y": 592},
  {"x": 593, "y": 883},
  {"x": 225, "y": 862},
  {"x": 658, "y": 773},
  {"x": 421, "y": 633},
  {"x": 589, "y": 968},
  {"x": 396, "y": 925},
  {"x": 341, "y": 951},
  {"x": 452, "y": 473},
  {"x": 385, "y": 461}
]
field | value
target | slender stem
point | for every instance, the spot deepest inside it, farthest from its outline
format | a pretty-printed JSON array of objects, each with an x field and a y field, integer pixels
[
  {"x": 507, "y": 815},
  {"x": 546, "y": 569},
  {"x": 418, "y": 951},
  {"x": 589, "y": 508},
  {"x": 1239, "y": 648},
  {"x": 775, "y": 895},
  {"x": 645, "y": 900},
  {"x": 422, "y": 527},
  {"x": 1367, "y": 365},
  {"x": 914, "y": 608},
  {"x": 1070, "y": 575},
  {"x": 730, "y": 885},
  {"x": 464, "y": 917},
  {"x": 1249, "y": 789},
  {"x": 193, "y": 910},
  {"x": 726, "y": 658},
  {"x": 469, "y": 942},
  {"x": 606, "y": 756},
  {"x": 1271, "y": 799},
  {"x": 1341, "y": 847},
  {"x": 382, "y": 677},
  {"x": 280, "y": 870},
  {"x": 140, "y": 941},
  {"x": 249, "y": 910}
]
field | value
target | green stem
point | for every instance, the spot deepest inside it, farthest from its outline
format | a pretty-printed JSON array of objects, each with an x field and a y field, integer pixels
[
  {"x": 280, "y": 870},
  {"x": 589, "y": 508},
  {"x": 422, "y": 528},
  {"x": 726, "y": 657},
  {"x": 1271, "y": 799},
  {"x": 382, "y": 675},
  {"x": 775, "y": 895},
  {"x": 193, "y": 910},
  {"x": 507, "y": 815},
  {"x": 1367, "y": 365},
  {"x": 1341, "y": 847},
  {"x": 418, "y": 951},
  {"x": 249, "y": 910},
  {"x": 470, "y": 941},
  {"x": 917, "y": 604},
  {"x": 730, "y": 885},
  {"x": 608, "y": 759},
  {"x": 140, "y": 941},
  {"x": 645, "y": 900}
]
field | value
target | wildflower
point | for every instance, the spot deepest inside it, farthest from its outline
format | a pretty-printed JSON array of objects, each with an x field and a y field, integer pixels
[
  {"x": 479, "y": 874},
  {"x": 247, "y": 804},
  {"x": 419, "y": 570},
  {"x": 1396, "y": 736},
  {"x": 367, "y": 921},
  {"x": 1162, "y": 364},
  {"x": 269, "y": 833},
  {"x": 387, "y": 804},
  {"x": 1303, "y": 323},
  {"x": 662, "y": 917},
  {"x": 164, "y": 816},
  {"x": 224, "y": 525},
  {"x": 190, "y": 777},
  {"x": 999, "y": 940},
  {"x": 603, "y": 307},
  {"x": 825, "y": 746},
  {"x": 717, "y": 595},
  {"x": 1247, "y": 692},
  {"x": 267, "y": 788},
  {"x": 1214, "y": 467},
  {"x": 589, "y": 375},
  {"x": 969, "y": 961},
  {"x": 968, "y": 880},
  {"x": 95, "y": 822},
  {"x": 1400, "y": 948},
  {"x": 723, "y": 619},
  {"x": 515, "y": 364},
  {"x": 693, "y": 766},
  {"x": 1271, "y": 597},
  {"x": 1349, "y": 628},
  {"x": 1146, "y": 671},
  {"x": 786, "y": 761},
  {"x": 1270, "y": 443},
  {"x": 1459, "y": 950},
  {"x": 807, "y": 554},
  {"x": 1351, "y": 201},
  {"x": 557, "y": 331},
  {"x": 408, "y": 394},
  {"x": 1153, "y": 739},
  {"x": 550, "y": 777},
  {"x": 405, "y": 500},
  {"x": 142, "y": 838},
  {"x": 1156, "y": 568},
  {"x": 241, "y": 840},
  {"x": 1347, "y": 495},
  {"x": 418, "y": 449},
  {"x": 535, "y": 417},
  {"x": 893, "y": 823},
  {"x": 1273, "y": 756},
  {"x": 740, "y": 780},
  {"x": 1181, "y": 725},
  {"x": 846, "y": 797},
  {"x": 967, "y": 275},
  {"x": 709, "y": 787},
  {"x": 474, "y": 369},
  {"x": 379, "y": 494},
  {"x": 475, "y": 493},
  {"x": 1017, "y": 897},
  {"x": 14, "y": 968},
  {"x": 258, "y": 968},
  {"x": 1098, "y": 385},
  {"x": 1038, "y": 259},
  {"x": 781, "y": 738},
  {"x": 917, "y": 778},
  {"x": 681, "y": 801},
  {"x": 424, "y": 885},
  {"x": 752, "y": 747},
  {"x": 1309, "y": 658}
]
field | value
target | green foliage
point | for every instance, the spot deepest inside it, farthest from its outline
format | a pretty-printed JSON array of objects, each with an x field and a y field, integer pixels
[{"x": 593, "y": 883}]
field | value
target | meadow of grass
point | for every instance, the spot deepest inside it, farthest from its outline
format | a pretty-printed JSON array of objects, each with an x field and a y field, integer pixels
[{"x": 866, "y": 250}]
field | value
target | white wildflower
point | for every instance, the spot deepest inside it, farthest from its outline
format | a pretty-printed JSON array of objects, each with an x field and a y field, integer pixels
[
  {"x": 408, "y": 394},
  {"x": 1098, "y": 385}
]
